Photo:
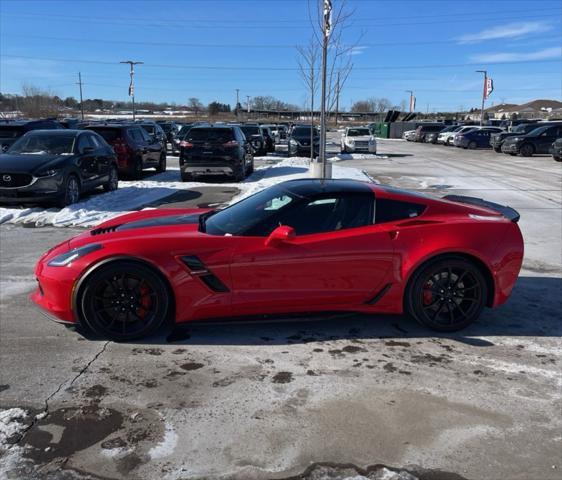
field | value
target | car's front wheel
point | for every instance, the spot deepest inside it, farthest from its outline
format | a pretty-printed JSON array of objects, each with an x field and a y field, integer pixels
[
  {"x": 472, "y": 145},
  {"x": 71, "y": 193},
  {"x": 447, "y": 294},
  {"x": 161, "y": 164},
  {"x": 526, "y": 150},
  {"x": 113, "y": 181},
  {"x": 123, "y": 301}
]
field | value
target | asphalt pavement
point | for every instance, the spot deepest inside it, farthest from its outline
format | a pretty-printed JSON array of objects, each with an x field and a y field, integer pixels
[{"x": 332, "y": 395}]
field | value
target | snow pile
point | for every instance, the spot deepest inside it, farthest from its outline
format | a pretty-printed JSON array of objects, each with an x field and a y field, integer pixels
[
  {"x": 10, "y": 424},
  {"x": 133, "y": 195}
]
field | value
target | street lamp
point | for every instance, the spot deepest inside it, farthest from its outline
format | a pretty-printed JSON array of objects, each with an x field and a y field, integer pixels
[
  {"x": 483, "y": 94},
  {"x": 132, "y": 83}
]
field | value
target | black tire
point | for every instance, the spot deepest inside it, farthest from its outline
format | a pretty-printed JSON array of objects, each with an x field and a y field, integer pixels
[
  {"x": 137, "y": 169},
  {"x": 113, "y": 182},
  {"x": 557, "y": 158},
  {"x": 123, "y": 301},
  {"x": 472, "y": 145},
  {"x": 239, "y": 172},
  {"x": 71, "y": 193},
  {"x": 161, "y": 168},
  {"x": 250, "y": 168},
  {"x": 498, "y": 149},
  {"x": 446, "y": 294},
  {"x": 186, "y": 177},
  {"x": 526, "y": 150}
]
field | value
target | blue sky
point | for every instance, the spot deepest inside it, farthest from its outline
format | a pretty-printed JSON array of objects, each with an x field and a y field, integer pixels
[{"x": 431, "y": 47}]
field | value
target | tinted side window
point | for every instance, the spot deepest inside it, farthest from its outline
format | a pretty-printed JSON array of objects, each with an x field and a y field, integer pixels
[
  {"x": 387, "y": 210},
  {"x": 136, "y": 135},
  {"x": 84, "y": 142}
]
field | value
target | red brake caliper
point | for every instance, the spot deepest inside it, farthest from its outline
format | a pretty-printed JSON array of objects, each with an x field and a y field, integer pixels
[
  {"x": 145, "y": 301},
  {"x": 427, "y": 294}
]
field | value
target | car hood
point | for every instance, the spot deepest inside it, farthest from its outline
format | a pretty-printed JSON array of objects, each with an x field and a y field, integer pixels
[
  {"x": 304, "y": 138},
  {"x": 360, "y": 138},
  {"x": 146, "y": 223},
  {"x": 28, "y": 163}
]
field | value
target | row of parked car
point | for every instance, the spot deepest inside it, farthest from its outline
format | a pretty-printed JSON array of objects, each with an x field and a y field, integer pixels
[{"x": 525, "y": 139}]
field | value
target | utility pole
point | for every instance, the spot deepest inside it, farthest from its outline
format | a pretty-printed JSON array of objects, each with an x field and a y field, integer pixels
[
  {"x": 337, "y": 97},
  {"x": 132, "y": 83},
  {"x": 483, "y": 94},
  {"x": 81, "y": 100},
  {"x": 248, "y": 103},
  {"x": 410, "y": 108},
  {"x": 326, "y": 29}
]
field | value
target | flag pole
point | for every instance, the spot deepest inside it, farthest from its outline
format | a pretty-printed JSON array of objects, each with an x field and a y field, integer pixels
[{"x": 483, "y": 94}]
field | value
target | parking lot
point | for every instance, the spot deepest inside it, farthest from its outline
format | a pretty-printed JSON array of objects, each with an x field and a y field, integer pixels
[{"x": 338, "y": 395}]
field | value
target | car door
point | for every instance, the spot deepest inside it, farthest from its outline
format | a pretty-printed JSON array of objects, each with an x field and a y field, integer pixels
[
  {"x": 153, "y": 148},
  {"x": 338, "y": 258},
  {"x": 102, "y": 158},
  {"x": 141, "y": 146},
  {"x": 86, "y": 160},
  {"x": 545, "y": 139}
]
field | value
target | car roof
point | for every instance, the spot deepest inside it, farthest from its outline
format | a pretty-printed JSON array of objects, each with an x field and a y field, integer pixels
[
  {"x": 64, "y": 131},
  {"x": 311, "y": 186}
]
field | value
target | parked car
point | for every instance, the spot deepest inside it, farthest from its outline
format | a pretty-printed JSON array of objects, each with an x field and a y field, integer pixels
[
  {"x": 299, "y": 246},
  {"x": 444, "y": 134},
  {"x": 255, "y": 137},
  {"x": 299, "y": 141},
  {"x": 408, "y": 135},
  {"x": 56, "y": 166},
  {"x": 497, "y": 139},
  {"x": 72, "y": 123},
  {"x": 556, "y": 150},
  {"x": 358, "y": 139},
  {"x": 155, "y": 131},
  {"x": 273, "y": 130},
  {"x": 170, "y": 128},
  {"x": 537, "y": 141},
  {"x": 268, "y": 137},
  {"x": 216, "y": 150},
  {"x": 176, "y": 145},
  {"x": 476, "y": 138},
  {"x": 11, "y": 130},
  {"x": 423, "y": 130},
  {"x": 452, "y": 138},
  {"x": 134, "y": 147}
]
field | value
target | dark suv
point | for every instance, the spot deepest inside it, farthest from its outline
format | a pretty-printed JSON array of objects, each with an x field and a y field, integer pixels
[
  {"x": 423, "y": 130},
  {"x": 497, "y": 139},
  {"x": 299, "y": 141},
  {"x": 11, "y": 130},
  {"x": 537, "y": 141},
  {"x": 170, "y": 129},
  {"x": 216, "y": 150},
  {"x": 134, "y": 147},
  {"x": 556, "y": 150},
  {"x": 155, "y": 131}
]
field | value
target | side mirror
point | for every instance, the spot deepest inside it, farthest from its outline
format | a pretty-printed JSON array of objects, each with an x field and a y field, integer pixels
[
  {"x": 87, "y": 150},
  {"x": 280, "y": 235}
]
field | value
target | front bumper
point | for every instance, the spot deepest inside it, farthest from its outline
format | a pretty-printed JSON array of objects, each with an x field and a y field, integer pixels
[
  {"x": 303, "y": 149},
  {"x": 40, "y": 190},
  {"x": 361, "y": 148},
  {"x": 510, "y": 148},
  {"x": 53, "y": 298}
]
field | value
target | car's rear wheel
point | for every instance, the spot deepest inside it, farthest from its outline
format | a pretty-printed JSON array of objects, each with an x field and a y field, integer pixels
[
  {"x": 137, "y": 168},
  {"x": 187, "y": 177},
  {"x": 124, "y": 301},
  {"x": 526, "y": 150},
  {"x": 162, "y": 163},
  {"x": 239, "y": 172},
  {"x": 472, "y": 145},
  {"x": 113, "y": 181},
  {"x": 71, "y": 192},
  {"x": 447, "y": 294},
  {"x": 498, "y": 149},
  {"x": 557, "y": 158}
]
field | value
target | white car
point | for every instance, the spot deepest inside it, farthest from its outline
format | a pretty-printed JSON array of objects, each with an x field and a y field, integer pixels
[
  {"x": 409, "y": 135},
  {"x": 358, "y": 139}
]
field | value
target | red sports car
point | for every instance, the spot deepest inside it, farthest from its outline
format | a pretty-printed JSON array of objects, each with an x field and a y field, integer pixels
[{"x": 300, "y": 246}]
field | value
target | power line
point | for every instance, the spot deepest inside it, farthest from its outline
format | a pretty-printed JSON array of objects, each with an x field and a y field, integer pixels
[{"x": 280, "y": 69}]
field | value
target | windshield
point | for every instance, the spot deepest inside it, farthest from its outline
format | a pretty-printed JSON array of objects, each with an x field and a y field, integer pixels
[
  {"x": 249, "y": 212},
  {"x": 10, "y": 131},
  {"x": 358, "y": 132},
  {"x": 250, "y": 130},
  {"x": 212, "y": 135},
  {"x": 302, "y": 131},
  {"x": 41, "y": 144}
]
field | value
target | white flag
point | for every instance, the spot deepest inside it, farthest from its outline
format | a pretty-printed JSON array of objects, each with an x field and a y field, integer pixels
[
  {"x": 327, "y": 17},
  {"x": 488, "y": 87}
]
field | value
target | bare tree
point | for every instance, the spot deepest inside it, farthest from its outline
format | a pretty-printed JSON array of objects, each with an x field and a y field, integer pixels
[
  {"x": 195, "y": 104},
  {"x": 39, "y": 103},
  {"x": 308, "y": 69}
]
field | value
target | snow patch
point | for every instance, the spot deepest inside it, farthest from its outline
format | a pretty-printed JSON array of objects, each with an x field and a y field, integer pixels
[
  {"x": 10, "y": 424},
  {"x": 11, "y": 286},
  {"x": 167, "y": 445}
]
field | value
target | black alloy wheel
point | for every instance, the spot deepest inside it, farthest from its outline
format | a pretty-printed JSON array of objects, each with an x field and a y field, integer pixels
[
  {"x": 124, "y": 301},
  {"x": 472, "y": 145},
  {"x": 137, "y": 168},
  {"x": 113, "y": 182},
  {"x": 71, "y": 192},
  {"x": 526, "y": 150},
  {"x": 447, "y": 294}
]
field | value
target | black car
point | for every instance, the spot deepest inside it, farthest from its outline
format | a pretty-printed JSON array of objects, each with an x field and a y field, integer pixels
[
  {"x": 216, "y": 150},
  {"x": 423, "y": 130},
  {"x": 299, "y": 141},
  {"x": 134, "y": 147},
  {"x": 170, "y": 128},
  {"x": 56, "y": 166},
  {"x": 556, "y": 150},
  {"x": 155, "y": 131},
  {"x": 11, "y": 130},
  {"x": 176, "y": 147},
  {"x": 268, "y": 137},
  {"x": 537, "y": 141},
  {"x": 254, "y": 135},
  {"x": 497, "y": 139}
]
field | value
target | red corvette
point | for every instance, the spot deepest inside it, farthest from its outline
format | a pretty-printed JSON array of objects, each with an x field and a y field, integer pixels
[{"x": 300, "y": 246}]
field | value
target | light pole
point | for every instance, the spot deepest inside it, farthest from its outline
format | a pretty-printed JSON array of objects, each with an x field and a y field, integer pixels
[
  {"x": 132, "y": 84},
  {"x": 248, "y": 103},
  {"x": 411, "y": 106},
  {"x": 326, "y": 30},
  {"x": 483, "y": 94},
  {"x": 81, "y": 101}
]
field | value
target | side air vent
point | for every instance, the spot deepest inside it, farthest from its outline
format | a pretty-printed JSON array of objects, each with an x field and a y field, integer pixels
[
  {"x": 102, "y": 230},
  {"x": 199, "y": 269}
]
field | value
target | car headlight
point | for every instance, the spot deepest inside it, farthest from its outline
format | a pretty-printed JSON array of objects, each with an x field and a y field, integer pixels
[
  {"x": 49, "y": 173},
  {"x": 67, "y": 258},
  {"x": 350, "y": 141},
  {"x": 293, "y": 142},
  {"x": 372, "y": 140},
  {"x": 517, "y": 139}
]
